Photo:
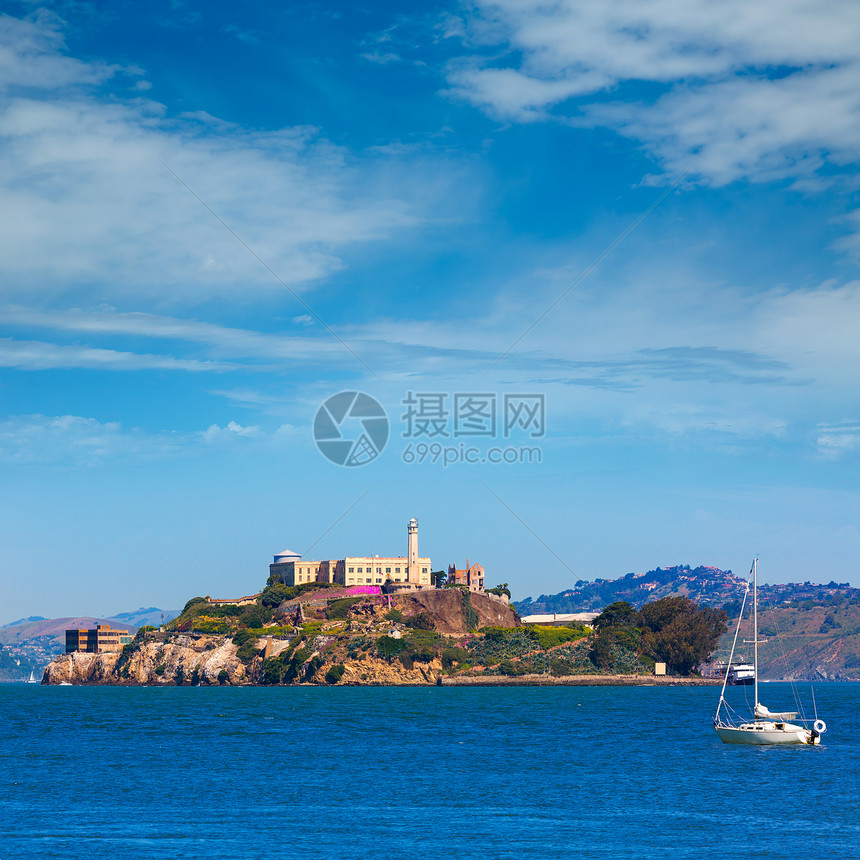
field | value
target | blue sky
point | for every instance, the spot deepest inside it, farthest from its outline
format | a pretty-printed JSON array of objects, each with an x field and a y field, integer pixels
[{"x": 214, "y": 218}]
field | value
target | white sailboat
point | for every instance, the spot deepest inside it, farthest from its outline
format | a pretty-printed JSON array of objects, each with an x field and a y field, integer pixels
[{"x": 766, "y": 727}]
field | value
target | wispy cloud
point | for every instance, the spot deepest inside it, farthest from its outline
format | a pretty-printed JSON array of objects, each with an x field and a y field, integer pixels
[
  {"x": 742, "y": 89},
  {"x": 86, "y": 203},
  {"x": 382, "y": 59},
  {"x": 77, "y": 440},
  {"x": 223, "y": 341},
  {"x": 37, "y": 355},
  {"x": 837, "y": 440}
]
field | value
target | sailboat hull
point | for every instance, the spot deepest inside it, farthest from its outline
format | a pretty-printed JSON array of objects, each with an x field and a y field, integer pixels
[{"x": 767, "y": 733}]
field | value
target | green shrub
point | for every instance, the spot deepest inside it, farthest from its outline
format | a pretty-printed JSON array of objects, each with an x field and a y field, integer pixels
[
  {"x": 312, "y": 666},
  {"x": 248, "y": 650},
  {"x": 240, "y": 637},
  {"x": 394, "y": 615},
  {"x": 334, "y": 674},
  {"x": 255, "y": 616},
  {"x": 192, "y": 602},
  {"x": 561, "y": 668},
  {"x": 210, "y": 625},
  {"x": 424, "y": 637},
  {"x": 422, "y": 653},
  {"x": 501, "y": 643},
  {"x": 549, "y": 637},
  {"x": 275, "y": 595},
  {"x": 388, "y": 646},
  {"x": 310, "y": 628},
  {"x": 406, "y": 659},
  {"x": 421, "y": 621},
  {"x": 160, "y": 669},
  {"x": 506, "y": 667},
  {"x": 339, "y": 609},
  {"x": 223, "y": 676},
  {"x": 500, "y": 634},
  {"x": 128, "y": 650},
  {"x": 229, "y": 610},
  {"x": 470, "y": 615},
  {"x": 453, "y": 655}
]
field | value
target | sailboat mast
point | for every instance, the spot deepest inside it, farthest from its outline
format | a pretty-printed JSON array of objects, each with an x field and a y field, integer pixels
[{"x": 755, "y": 626}]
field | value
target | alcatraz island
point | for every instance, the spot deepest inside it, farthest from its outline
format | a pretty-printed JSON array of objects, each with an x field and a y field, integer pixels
[{"x": 371, "y": 620}]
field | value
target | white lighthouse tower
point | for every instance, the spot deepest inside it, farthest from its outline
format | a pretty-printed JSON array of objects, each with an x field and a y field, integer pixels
[{"x": 413, "y": 570}]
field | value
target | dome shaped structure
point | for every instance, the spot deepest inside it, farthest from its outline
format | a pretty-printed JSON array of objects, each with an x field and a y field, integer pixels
[{"x": 287, "y": 555}]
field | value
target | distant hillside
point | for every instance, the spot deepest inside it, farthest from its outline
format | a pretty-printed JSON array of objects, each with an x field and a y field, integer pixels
[
  {"x": 31, "y": 643},
  {"x": 806, "y": 639},
  {"x": 142, "y": 617},
  {"x": 704, "y": 584},
  {"x": 813, "y": 630},
  {"x": 24, "y": 621}
]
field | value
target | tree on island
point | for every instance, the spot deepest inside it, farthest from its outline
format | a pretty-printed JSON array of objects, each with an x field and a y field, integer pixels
[
  {"x": 680, "y": 633},
  {"x": 674, "y": 630},
  {"x": 618, "y": 614},
  {"x": 438, "y": 578},
  {"x": 616, "y": 635}
]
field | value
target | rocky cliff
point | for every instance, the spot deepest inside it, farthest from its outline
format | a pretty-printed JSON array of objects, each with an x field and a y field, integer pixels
[
  {"x": 204, "y": 660},
  {"x": 180, "y": 659},
  {"x": 324, "y": 640}
]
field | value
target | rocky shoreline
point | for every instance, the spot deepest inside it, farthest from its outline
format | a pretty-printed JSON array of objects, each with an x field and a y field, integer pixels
[
  {"x": 575, "y": 681},
  {"x": 209, "y": 661}
]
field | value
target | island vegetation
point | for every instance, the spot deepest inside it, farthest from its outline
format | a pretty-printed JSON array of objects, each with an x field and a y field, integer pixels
[{"x": 328, "y": 634}]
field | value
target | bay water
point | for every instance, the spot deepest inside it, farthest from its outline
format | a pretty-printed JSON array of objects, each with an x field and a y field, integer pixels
[{"x": 419, "y": 772}]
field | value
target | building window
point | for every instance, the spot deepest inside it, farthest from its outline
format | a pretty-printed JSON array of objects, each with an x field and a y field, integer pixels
[
  {"x": 388, "y": 570},
  {"x": 423, "y": 570},
  {"x": 379, "y": 570},
  {"x": 397, "y": 579},
  {"x": 351, "y": 570},
  {"x": 368, "y": 579},
  {"x": 397, "y": 570},
  {"x": 378, "y": 579}
]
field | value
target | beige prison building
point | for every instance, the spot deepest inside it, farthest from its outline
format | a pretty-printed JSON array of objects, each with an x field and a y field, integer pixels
[{"x": 411, "y": 569}]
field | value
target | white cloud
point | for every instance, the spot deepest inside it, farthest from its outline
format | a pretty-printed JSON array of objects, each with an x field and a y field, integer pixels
[
  {"x": 214, "y": 434},
  {"x": 837, "y": 440},
  {"x": 742, "y": 89},
  {"x": 222, "y": 341},
  {"x": 87, "y": 203},
  {"x": 74, "y": 439},
  {"x": 30, "y": 55},
  {"x": 37, "y": 355},
  {"x": 380, "y": 58},
  {"x": 661, "y": 351}
]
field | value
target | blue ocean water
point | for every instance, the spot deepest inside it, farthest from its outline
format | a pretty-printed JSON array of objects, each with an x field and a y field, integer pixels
[{"x": 347, "y": 772}]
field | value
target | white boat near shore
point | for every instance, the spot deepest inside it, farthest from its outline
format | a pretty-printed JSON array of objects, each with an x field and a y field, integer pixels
[{"x": 765, "y": 727}]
